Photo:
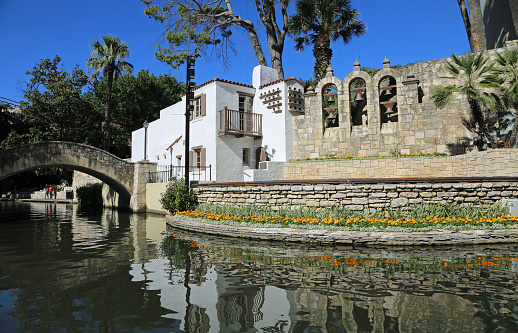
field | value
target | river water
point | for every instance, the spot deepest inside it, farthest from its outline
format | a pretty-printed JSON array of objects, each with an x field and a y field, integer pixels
[{"x": 65, "y": 270}]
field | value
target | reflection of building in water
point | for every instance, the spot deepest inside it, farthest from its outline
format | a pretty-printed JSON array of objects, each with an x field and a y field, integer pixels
[{"x": 230, "y": 290}]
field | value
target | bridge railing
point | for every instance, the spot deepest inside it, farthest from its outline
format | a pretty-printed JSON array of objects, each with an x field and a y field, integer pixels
[{"x": 166, "y": 172}]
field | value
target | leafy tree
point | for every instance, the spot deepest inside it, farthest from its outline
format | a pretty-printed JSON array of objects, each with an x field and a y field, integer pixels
[
  {"x": 54, "y": 108},
  {"x": 10, "y": 120},
  {"x": 133, "y": 100},
  {"x": 470, "y": 71},
  {"x": 474, "y": 24},
  {"x": 505, "y": 78},
  {"x": 194, "y": 26},
  {"x": 318, "y": 22},
  {"x": 108, "y": 57}
]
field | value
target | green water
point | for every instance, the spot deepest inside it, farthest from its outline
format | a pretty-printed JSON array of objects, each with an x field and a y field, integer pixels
[{"x": 64, "y": 270}]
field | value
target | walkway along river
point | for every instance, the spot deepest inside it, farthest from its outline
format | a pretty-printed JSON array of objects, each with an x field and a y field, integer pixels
[{"x": 66, "y": 270}]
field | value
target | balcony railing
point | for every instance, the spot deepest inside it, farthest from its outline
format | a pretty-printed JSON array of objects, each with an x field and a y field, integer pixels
[
  {"x": 240, "y": 123},
  {"x": 166, "y": 173}
]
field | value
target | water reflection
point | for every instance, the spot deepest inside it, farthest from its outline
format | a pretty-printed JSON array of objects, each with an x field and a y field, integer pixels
[
  {"x": 356, "y": 290},
  {"x": 67, "y": 270}
]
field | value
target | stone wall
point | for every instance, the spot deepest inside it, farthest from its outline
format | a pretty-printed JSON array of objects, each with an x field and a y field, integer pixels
[
  {"x": 80, "y": 179},
  {"x": 490, "y": 163},
  {"x": 357, "y": 196},
  {"x": 415, "y": 126}
]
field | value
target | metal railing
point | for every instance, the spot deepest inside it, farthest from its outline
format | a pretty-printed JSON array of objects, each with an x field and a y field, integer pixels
[
  {"x": 240, "y": 123},
  {"x": 166, "y": 172}
]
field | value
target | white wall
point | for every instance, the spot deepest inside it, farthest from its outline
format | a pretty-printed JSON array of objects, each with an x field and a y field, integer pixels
[
  {"x": 278, "y": 127},
  {"x": 223, "y": 153},
  {"x": 229, "y": 148}
]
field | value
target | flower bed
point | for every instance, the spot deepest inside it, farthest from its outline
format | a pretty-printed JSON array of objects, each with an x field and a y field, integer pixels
[{"x": 421, "y": 218}]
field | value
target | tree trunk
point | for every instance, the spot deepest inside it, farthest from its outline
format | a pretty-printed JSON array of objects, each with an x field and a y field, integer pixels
[
  {"x": 323, "y": 54},
  {"x": 254, "y": 39},
  {"x": 107, "y": 115},
  {"x": 512, "y": 139},
  {"x": 467, "y": 25},
  {"x": 481, "y": 121},
  {"x": 275, "y": 36},
  {"x": 478, "y": 32}
]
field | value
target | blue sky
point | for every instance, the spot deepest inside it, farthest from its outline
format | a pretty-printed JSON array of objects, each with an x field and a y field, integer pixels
[{"x": 403, "y": 30}]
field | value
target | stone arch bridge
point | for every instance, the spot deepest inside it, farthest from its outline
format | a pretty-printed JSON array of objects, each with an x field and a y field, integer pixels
[{"x": 127, "y": 180}]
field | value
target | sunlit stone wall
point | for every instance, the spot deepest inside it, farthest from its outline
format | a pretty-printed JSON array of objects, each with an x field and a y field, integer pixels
[
  {"x": 490, "y": 163},
  {"x": 415, "y": 126}
]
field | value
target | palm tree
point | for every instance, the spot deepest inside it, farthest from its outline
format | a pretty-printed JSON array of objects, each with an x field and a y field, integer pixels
[
  {"x": 470, "y": 71},
  {"x": 108, "y": 57},
  {"x": 505, "y": 78},
  {"x": 318, "y": 22}
]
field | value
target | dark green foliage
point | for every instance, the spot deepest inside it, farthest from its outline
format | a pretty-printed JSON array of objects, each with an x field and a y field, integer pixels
[
  {"x": 54, "y": 109},
  {"x": 176, "y": 198},
  {"x": 470, "y": 74},
  {"x": 133, "y": 100},
  {"x": 90, "y": 194},
  {"x": 10, "y": 120},
  {"x": 109, "y": 57},
  {"x": 317, "y": 23}
]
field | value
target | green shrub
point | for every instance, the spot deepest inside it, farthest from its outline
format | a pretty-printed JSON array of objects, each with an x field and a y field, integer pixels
[
  {"x": 176, "y": 198},
  {"x": 90, "y": 194}
]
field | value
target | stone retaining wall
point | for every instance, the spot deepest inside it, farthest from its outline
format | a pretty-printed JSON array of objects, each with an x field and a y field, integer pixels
[
  {"x": 437, "y": 237},
  {"x": 490, "y": 163},
  {"x": 359, "y": 196}
]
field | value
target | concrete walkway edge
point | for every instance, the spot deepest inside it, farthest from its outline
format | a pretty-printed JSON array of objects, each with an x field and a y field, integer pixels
[{"x": 433, "y": 238}]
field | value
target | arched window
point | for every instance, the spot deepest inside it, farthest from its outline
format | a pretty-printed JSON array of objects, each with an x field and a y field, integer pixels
[
  {"x": 358, "y": 98},
  {"x": 388, "y": 100},
  {"x": 330, "y": 106}
]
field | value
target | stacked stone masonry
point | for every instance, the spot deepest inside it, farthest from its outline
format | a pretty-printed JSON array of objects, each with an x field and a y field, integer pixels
[
  {"x": 490, "y": 163},
  {"x": 354, "y": 238},
  {"x": 415, "y": 126},
  {"x": 359, "y": 196}
]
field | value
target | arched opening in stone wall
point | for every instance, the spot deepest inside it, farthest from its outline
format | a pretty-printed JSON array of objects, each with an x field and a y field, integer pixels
[
  {"x": 388, "y": 99},
  {"x": 330, "y": 106},
  {"x": 358, "y": 102}
]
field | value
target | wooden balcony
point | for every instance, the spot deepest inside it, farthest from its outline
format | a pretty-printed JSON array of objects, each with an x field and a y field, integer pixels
[{"x": 240, "y": 123}]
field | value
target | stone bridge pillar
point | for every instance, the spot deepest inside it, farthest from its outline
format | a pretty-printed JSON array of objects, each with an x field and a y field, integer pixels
[{"x": 140, "y": 179}]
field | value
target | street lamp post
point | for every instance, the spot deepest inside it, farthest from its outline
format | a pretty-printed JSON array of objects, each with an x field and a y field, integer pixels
[
  {"x": 189, "y": 97},
  {"x": 171, "y": 170},
  {"x": 146, "y": 125}
]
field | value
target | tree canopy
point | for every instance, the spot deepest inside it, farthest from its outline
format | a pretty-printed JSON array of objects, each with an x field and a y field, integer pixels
[
  {"x": 109, "y": 57},
  {"x": 471, "y": 70},
  {"x": 135, "y": 99},
  {"x": 206, "y": 26},
  {"x": 318, "y": 22},
  {"x": 63, "y": 106},
  {"x": 54, "y": 107}
]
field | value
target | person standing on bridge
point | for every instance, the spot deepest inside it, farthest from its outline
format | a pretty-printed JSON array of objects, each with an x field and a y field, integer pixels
[
  {"x": 51, "y": 189},
  {"x": 46, "y": 191}
]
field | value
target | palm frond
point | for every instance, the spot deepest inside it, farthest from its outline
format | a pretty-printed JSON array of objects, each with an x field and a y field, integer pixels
[{"x": 442, "y": 96}]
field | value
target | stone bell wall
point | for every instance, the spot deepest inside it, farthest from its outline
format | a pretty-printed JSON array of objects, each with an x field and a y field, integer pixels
[{"x": 416, "y": 126}]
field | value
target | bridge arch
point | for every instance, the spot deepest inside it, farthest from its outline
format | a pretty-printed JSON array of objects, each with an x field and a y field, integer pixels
[{"x": 113, "y": 171}]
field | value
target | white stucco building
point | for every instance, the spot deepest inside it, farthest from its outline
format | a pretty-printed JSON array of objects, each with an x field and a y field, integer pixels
[{"x": 234, "y": 126}]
